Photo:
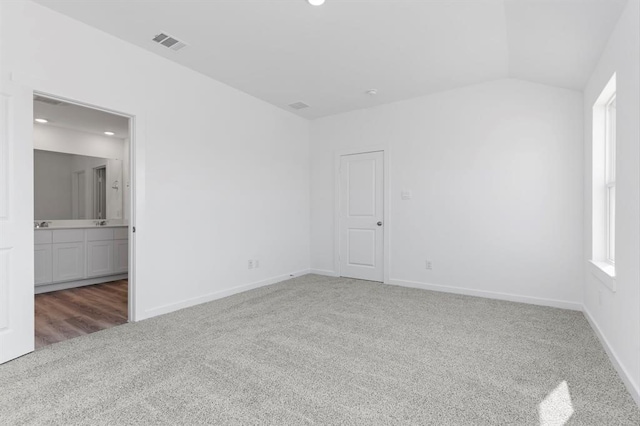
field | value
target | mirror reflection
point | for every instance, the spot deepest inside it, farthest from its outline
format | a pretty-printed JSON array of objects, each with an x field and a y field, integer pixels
[{"x": 70, "y": 186}]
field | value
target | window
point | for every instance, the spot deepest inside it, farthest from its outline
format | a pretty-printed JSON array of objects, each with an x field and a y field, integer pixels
[
  {"x": 604, "y": 179},
  {"x": 610, "y": 177}
]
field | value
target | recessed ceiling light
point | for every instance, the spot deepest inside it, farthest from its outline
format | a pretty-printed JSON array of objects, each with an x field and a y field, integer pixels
[
  {"x": 42, "y": 120},
  {"x": 109, "y": 133},
  {"x": 372, "y": 92},
  {"x": 316, "y": 2}
]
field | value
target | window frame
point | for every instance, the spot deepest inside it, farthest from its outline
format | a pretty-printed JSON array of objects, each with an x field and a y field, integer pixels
[
  {"x": 603, "y": 186},
  {"x": 610, "y": 177}
]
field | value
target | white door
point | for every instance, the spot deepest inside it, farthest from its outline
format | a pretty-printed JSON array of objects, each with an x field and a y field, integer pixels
[
  {"x": 361, "y": 216},
  {"x": 16, "y": 221}
]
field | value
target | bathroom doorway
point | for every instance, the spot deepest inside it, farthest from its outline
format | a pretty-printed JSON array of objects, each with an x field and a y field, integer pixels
[{"x": 83, "y": 216}]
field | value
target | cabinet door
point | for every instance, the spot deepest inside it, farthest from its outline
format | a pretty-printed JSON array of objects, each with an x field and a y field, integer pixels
[
  {"x": 99, "y": 258},
  {"x": 121, "y": 256},
  {"x": 68, "y": 261},
  {"x": 43, "y": 257}
]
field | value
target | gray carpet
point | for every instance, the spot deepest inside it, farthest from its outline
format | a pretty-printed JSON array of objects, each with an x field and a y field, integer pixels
[{"x": 317, "y": 350}]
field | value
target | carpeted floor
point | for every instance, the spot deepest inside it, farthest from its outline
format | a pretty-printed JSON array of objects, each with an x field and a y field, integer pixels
[{"x": 318, "y": 350}]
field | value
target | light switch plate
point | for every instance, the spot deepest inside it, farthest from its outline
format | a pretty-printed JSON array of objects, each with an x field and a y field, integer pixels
[{"x": 406, "y": 194}]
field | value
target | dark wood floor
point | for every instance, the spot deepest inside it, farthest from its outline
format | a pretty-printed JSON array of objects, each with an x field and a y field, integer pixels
[{"x": 65, "y": 314}]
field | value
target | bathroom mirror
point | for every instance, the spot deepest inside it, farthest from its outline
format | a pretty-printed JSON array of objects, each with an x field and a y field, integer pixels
[{"x": 70, "y": 187}]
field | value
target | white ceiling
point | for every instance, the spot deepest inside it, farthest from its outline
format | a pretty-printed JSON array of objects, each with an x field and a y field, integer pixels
[
  {"x": 75, "y": 117},
  {"x": 284, "y": 51}
]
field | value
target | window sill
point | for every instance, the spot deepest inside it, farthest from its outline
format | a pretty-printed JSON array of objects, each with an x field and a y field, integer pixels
[{"x": 605, "y": 273}]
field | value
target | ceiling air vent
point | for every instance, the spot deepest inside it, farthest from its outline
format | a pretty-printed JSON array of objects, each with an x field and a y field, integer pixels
[
  {"x": 169, "y": 42},
  {"x": 47, "y": 100},
  {"x": 298, "y": 105}
]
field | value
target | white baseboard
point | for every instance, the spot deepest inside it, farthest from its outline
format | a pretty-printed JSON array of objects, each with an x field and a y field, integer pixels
[
  {"x": 325, "y": 272},
  {"x": 171, "y": 307},
  {"x": 631, "y": 386},
  {"x": 574, "y": 306}
]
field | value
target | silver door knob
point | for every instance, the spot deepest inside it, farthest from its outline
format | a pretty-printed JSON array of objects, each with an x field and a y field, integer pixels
[{"x": 379, "y": 223}]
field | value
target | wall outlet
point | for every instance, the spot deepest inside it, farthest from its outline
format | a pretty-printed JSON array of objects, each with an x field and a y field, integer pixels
[
  {"x": 256, "y": 263},
  {"x": 429, "y": 264},
  {"x": 250, "y": 264}
]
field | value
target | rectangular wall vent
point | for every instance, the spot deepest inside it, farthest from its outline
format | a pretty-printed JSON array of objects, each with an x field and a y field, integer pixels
[
  {"x": 169, "y": 42},
  {"x": 298, "y": 105}
]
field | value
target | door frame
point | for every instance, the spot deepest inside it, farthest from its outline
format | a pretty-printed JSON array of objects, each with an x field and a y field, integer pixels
[
  {"x": 386, "y": 232},
  {"x": 135, "y": 193}
]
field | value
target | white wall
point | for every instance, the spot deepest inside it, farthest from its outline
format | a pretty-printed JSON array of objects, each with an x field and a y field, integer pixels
[
  {"x": 52, "y": 185},
  {"x": 616, "y": 315},
  {"x": 51, "y": 138},
  {"x": 496, "y": 175},
  {"x": 221, "y": 176}
]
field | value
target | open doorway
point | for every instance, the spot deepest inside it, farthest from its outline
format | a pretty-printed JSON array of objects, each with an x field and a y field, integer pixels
[{"x": 82, "y": 215}]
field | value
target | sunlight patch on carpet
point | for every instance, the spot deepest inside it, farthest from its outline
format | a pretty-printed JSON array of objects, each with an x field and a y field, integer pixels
[{"x": 556, "y": 409}]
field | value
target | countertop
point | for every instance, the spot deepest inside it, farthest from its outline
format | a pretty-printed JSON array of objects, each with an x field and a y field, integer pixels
[{"x": 54, "y": 228}]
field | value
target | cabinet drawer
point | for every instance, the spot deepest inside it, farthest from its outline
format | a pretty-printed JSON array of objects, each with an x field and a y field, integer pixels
[
  {"x": 103, "y": 234},
  {"x": 68, "y": 236},
  {"x": 120, "y": 233},
  {"x": 42, "y": 237}
]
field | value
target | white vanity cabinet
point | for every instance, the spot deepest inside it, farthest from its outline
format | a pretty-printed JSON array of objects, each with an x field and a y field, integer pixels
[
  {"x": 121, "y": 256},
  {"x": 43, "y": 257},
  {"x": 99, "y": 258},
  {"x": 121, "y": 250},
  {"x": 66, "y": 258},
  {"x": 68, "y": 255},
  {"x": 99, "y": 252},
  {"x": 68, "y": 261}
]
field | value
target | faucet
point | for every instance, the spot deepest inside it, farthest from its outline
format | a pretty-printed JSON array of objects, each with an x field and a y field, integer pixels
[
  {"x": 100, "y": 222},
  {"x": 42, "y": 224}
]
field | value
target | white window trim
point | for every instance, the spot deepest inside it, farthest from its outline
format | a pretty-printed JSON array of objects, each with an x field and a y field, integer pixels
[
  {"x": 601, "y": 266},
  {"x": 610, "y": 178},
  {"x": 605, "y": 273}
]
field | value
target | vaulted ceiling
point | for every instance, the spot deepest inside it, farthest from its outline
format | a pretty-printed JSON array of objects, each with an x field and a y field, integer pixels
[{"x": 285, "y": 51}]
